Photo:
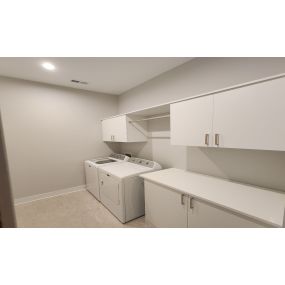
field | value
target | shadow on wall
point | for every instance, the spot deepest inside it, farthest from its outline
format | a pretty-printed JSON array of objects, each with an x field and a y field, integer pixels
[
  {"x": 256, "y": 167},
  {"x": 160, "y": 125},
  {"x": 138, "y": 149},
  {"x": 114, "y": 147}
]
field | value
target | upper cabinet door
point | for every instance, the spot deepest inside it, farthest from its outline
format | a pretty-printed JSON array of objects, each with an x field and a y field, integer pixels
[
  {"x": 191, "y": 122},
  {"x": 251, "y": 117},
  {"x": 122, "y": 129},
  {"x": 107, "y": 130},
  {"x": 119, "y": 128},
  {"x": 114, "y": 129}
]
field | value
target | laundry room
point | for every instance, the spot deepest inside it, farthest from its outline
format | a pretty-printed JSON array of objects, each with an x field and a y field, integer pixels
[
  {"x": 79, "y": 150},
  {"x": 142, "y": 142}
]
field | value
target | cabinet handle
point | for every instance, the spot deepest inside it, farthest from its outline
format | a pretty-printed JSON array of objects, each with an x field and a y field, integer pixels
[
  {"x": 102, "y": 182},
  {"x": 108, "y": 175},
  {"x": 206, "y": 139},
  {"x": 217, "y": 139},
  {"x": 182, "y": 199},
  {"x": 191, "y": 203}
]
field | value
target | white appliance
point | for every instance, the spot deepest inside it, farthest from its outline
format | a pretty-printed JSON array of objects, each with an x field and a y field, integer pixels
[
  {"x": 121, "y": 188},
  {"x": 91, "y": 171}
]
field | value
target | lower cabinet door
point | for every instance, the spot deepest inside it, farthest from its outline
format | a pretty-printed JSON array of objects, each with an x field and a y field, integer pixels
[
  {"x": 164, "y": 207},
  {"x": 205, "y": 215}
]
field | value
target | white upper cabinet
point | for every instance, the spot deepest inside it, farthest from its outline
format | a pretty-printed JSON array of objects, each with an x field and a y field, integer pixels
[
  {"x": 251, "y": 117},
  {"x": 115, "y": 129},
  {"x": 122, "y": 129},
  {"x": 191, "y": 122}
]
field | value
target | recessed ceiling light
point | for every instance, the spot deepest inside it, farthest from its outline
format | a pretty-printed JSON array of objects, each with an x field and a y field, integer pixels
[{"x": 48, "y": 66}]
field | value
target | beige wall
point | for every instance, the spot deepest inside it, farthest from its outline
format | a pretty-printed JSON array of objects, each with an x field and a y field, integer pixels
[
  {"x": 197, "y": 76},
  {"x": 49, "y": 132},
  {"x": 263, "y": 168}
]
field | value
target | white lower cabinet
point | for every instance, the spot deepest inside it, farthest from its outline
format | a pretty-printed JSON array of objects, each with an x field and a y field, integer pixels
[
  {"x": 165, "y": 208},
  {"x": 168, "y": 208},
  {"x": 205, "y": 215}
]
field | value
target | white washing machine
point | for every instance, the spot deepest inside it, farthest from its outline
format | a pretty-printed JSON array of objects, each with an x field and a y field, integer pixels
[
  {"x": 121, "y": 188},
  {"x": 91, "y": 171}
]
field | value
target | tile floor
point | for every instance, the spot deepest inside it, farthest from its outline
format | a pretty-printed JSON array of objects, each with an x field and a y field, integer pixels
[{"x": 75, "y": 210}]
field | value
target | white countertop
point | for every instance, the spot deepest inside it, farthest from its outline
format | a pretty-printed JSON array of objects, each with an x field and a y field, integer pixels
[{"x": 258, "y": 203}]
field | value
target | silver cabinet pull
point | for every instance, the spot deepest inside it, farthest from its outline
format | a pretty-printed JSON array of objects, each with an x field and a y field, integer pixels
[
  {"x": 182, "y": 199},
  {"x": 206, "y": 139},
  {"x": 217, "y": 139},
  {"x": 191, "y": 203}
]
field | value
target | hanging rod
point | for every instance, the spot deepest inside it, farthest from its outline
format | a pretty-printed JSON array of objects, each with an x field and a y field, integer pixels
[{"x": 150, "y": 118}]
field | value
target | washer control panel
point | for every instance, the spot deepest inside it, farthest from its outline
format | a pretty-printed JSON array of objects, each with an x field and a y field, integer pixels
[
  {"x": 120, "y": 156},
  {"x": 143, "y": 162}
]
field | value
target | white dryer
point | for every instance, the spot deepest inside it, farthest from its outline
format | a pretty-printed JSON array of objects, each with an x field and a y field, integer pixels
[
  {"x": 121, "y": 188},
  {"x": 91, "y": 171}
]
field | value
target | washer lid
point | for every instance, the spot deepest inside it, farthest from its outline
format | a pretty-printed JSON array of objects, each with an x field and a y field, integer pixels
[
  {"x": 105, "y": 161},
  {"x": 114, "y": 157},
  {"x": 95, "y": 160},
  {"x": 125, "y": 169}
]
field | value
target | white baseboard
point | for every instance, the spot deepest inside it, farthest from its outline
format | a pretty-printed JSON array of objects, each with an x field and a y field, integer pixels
[{"x": 65, "y": 191}]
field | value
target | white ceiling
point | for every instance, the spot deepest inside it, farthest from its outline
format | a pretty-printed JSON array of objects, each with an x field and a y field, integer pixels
[{"x": 112, "y": 75}]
